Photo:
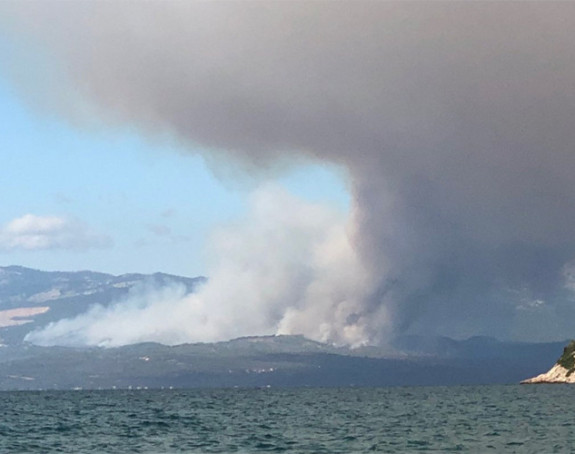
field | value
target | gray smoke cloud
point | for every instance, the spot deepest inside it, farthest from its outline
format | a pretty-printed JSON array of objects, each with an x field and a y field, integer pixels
[{"x": 454, "y": 121}]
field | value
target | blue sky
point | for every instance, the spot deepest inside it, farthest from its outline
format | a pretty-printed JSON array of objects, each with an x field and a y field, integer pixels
[{"x": 141, "y": 206}]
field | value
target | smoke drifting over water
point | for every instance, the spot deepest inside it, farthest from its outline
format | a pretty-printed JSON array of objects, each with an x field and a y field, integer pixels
[{"x": 453, "y": 119}]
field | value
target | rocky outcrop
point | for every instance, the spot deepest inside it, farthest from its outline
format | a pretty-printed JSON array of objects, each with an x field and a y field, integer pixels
[
  {"x": 561, "y": 372},
  {"x": 557, "y": 374}
]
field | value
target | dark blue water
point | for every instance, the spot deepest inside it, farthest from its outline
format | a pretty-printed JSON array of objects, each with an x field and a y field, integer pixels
[{"x": 503, "y": 419}]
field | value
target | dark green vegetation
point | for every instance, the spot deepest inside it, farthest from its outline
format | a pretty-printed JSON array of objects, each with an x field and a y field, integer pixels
[
  {"x": 259, "y": 362},
  {"x": 567, "y": 359}
]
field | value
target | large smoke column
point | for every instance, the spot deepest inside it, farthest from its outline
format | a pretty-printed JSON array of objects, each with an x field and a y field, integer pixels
[{"x": 455, "y": 121}]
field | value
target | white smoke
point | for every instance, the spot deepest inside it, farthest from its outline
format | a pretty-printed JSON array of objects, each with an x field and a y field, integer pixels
[{"x": 288, "y": 268}]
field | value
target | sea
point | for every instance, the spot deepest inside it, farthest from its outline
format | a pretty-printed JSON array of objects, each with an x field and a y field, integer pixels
[{"x": 478, "y": 419}]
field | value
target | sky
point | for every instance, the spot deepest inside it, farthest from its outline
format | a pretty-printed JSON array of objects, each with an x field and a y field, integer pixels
[
  {"x": 136, "y": 205},
  {"x": 351, "y": 171}
]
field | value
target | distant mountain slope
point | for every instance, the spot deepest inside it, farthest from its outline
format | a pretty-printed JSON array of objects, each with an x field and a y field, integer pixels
[
  {"x": 30, "y": 299},
  {"x": 50, "y": 296},
  {"x": 249, "y": 362}
]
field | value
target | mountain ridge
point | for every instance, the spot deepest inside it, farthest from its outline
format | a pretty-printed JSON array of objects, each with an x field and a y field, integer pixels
[
  {"x": 254, "y": 361},
  {"x": 289, "y": 360},
  {"x": 67, "y": 294}
]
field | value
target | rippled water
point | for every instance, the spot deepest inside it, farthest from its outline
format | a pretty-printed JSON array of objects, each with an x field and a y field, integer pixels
[{"x": 530, "y": 419}]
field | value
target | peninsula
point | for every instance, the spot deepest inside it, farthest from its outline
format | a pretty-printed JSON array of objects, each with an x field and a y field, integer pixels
[{"x": 561, "y": 372}]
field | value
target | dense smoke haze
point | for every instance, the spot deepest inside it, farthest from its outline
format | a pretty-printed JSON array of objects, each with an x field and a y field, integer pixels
[
  {"x": 453, "y": 120},
  {"x": 287, "y": 268}
]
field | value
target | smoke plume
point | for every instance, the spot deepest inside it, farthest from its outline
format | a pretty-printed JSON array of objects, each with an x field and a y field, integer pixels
[
  {"x": 287, "y": 268},
  {"x": 454, "y": 121}
]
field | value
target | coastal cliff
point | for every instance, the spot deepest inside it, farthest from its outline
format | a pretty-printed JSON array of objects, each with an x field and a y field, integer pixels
[{"x": 561, "y": 372}]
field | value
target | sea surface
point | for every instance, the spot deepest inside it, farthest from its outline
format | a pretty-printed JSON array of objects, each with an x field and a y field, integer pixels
[{"x": 502, "y": 419}]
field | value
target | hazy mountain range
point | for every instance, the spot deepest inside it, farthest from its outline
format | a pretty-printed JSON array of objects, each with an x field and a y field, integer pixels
[{"x": 30, "y": 299}]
